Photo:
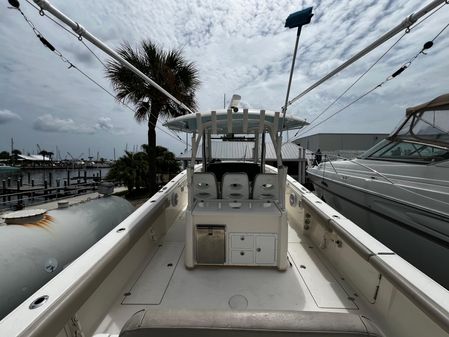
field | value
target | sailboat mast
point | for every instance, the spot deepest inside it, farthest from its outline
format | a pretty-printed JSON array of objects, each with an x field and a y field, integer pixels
[{"x": 82, "y": 32}]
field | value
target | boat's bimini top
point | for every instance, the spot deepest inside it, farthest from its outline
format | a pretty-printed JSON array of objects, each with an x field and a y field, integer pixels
[
  {"x": 438, "y": 103},
  {"x": 427, "y": 123},
  {"x": 238, "y": 121}
]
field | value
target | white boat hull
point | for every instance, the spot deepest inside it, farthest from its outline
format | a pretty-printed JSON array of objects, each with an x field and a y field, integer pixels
[
  {"x": 410, "y": 232},
  {"x": 336, "y": 271}
]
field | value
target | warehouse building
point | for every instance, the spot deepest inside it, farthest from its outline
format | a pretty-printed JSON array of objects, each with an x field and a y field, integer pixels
[{"x": 348, "y": 145}]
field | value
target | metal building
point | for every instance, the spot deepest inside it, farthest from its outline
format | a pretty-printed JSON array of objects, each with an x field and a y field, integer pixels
[{"x": 344, "y": 144}]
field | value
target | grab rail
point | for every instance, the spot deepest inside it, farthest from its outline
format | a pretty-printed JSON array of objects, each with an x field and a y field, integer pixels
[
  {"x": 94, "y": 264},
  {"x": 422, "y": 300}
]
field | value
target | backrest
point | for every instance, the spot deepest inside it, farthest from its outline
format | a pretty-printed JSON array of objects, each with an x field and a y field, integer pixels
[
  {"x": 204, "y": 186},
  {"x": 266, "y": 186},
  {"x": 235, "y": 186},
  {"x": 220, "y": 168}
]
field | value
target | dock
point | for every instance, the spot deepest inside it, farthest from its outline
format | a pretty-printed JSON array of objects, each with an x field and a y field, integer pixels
[{"x": 25, "y": 195}]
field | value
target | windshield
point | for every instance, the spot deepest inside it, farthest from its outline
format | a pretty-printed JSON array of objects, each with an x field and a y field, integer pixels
[
  {"x": 430, "y": 127},
  {"x": 406, "y": 151}
]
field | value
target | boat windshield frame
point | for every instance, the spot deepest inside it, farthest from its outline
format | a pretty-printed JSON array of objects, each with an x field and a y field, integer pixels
[
  {"x": 426, "y": 124},
  {"x": 406, "y": 151}
]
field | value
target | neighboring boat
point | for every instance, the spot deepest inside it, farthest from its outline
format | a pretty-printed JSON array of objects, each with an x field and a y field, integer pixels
[
  {"x": 6, "y": 170},
  {"x": 235, "y": 249},
  {"x": 38, "y": 244},
  {"x": 398, "y": 191}
]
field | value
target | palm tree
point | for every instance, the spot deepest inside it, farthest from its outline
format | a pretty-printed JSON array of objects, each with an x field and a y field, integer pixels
[
  {"x": 43, "y": 153},
  {"x": 171, "y": 71},
  {"x": 131, "y": 169}
]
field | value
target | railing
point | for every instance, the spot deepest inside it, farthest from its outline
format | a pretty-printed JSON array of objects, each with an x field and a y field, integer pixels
[{"x": 18, "y": 200}]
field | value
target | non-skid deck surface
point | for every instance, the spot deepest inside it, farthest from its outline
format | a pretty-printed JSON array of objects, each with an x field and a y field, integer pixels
[{"x": 166, "y": 283}]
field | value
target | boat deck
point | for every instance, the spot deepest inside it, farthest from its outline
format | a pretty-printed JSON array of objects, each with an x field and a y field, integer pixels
[{"x": 309, "y": 284}]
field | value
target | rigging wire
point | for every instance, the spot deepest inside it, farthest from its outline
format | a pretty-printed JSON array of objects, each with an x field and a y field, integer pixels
[
  {"x": 426, "y": 46},
  {"x": 350, "y": 86},
  {"x": 47, "y": 44},
  {"x": 382, "y": 175},
  {"x": 80, "y": 39},
  {"x": 344, "y": 65}
]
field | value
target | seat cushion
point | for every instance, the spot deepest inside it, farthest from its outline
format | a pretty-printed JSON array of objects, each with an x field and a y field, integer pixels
[{"x": 220, "y": 323}]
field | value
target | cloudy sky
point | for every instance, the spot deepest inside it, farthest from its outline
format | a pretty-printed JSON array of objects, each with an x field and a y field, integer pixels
[{"x": 239, "y": 46}]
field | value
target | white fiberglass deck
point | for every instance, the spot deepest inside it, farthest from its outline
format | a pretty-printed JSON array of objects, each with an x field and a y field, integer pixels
[{"x": 164, "y": 282}]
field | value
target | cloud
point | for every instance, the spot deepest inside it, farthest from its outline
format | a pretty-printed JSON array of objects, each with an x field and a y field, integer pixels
[
  {"x": 8, "y": 116},
  {"x": 239, "y": 46},
  {"x": 105, "y": 124},
  {"x": 49, "y": 123}
]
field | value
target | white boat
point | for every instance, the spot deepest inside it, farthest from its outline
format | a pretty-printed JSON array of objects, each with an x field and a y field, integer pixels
[
  {"x": 8, "y": 170},
  {"x": 398, "y": 191},
  {"x": 235, "y": 249}
]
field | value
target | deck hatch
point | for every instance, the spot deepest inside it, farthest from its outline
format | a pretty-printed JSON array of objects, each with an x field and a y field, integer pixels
[{"x": 154, "y": 280}]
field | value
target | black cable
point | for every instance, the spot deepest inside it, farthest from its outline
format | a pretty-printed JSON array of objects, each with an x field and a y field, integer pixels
[
  {"x": 406, "y": 65},
  {"x": 361, "y": 76},
  {"x": 92, "y": 52},
  {"x": 413, "y": 26},
  {"x": 340, "y": 110},
  {"x": 71, "y": 65},
  {"x": 67, "y": 30},
  {"x": 352, "y": 85},
  {"x": 42, "y": 13}
]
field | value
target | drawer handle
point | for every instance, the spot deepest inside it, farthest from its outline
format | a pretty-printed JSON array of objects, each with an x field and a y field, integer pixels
[
  {"x": 242, "y": 253},
  {"x": 258, "y": 250}
]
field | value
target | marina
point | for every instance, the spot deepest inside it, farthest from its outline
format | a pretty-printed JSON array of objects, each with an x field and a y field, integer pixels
[
  {"x": 33, "y": 186},
  {"x": 232, "y": 245}
]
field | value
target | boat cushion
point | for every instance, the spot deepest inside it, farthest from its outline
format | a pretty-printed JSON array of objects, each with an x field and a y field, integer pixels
[
  {"x": 266, "y": 186},
  {"x": 221, "y": 323},
  {"x": 235, "y": 186},
  {"x": 204, "y": 186}
]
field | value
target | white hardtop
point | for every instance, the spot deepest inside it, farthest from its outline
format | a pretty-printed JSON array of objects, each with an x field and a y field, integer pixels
[{"x": 235, "y": 120}]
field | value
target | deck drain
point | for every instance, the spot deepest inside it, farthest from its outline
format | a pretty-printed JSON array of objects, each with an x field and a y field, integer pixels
[{"x": 238, "y": 302}]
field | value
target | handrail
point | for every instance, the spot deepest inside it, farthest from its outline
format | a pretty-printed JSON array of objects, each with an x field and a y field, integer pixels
[
  {"x": 356, "y": 245},
  {"x": 432, "y": 309},
  {"x": 49, "y": 320},
  {"x": 425, "y": 303},
  {"x": 384, "y": 177}
]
